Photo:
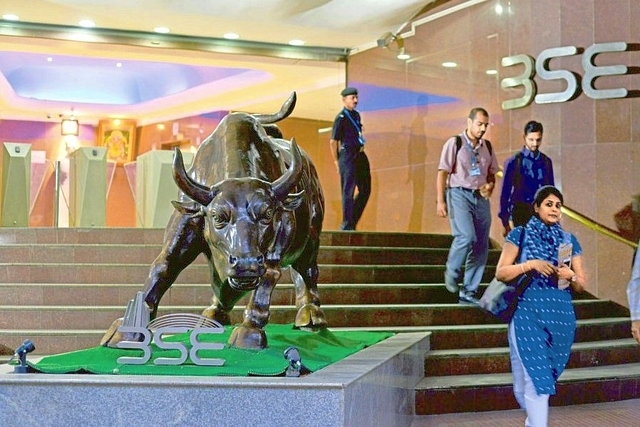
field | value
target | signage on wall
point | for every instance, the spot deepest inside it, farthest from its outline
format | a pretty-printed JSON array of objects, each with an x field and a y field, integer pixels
[{"x": 575, "y": 83}]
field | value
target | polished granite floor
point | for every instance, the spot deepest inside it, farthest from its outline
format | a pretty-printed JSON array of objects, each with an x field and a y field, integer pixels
[{"x": 625, "y": 413}]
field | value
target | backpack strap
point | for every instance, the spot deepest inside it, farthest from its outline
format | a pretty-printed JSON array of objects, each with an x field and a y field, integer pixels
[{"x": 516, "y": 169}]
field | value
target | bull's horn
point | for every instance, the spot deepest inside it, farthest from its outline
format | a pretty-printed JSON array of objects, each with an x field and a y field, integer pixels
[
  {"x": 283, "y": 185},
  {"x": 198, "y": 192},
  {"x": 285, "y": 111}
]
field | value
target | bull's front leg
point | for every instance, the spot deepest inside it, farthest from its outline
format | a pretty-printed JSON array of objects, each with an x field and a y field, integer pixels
[
  {"x": 309, "y": 314},
  {"x": 256, "y": 315}
]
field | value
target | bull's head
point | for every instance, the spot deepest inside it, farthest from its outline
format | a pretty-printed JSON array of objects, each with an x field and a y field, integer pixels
[{"x": 243, "y": 217}]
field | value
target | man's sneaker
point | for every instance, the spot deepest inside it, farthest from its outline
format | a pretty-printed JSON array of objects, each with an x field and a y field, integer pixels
[
  {"x": 450, "y": 284},
  {"x": 467, "y": 298}
]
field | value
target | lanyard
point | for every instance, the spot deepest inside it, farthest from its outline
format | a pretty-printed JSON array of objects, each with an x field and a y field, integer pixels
[
  {"x": 353, "y": 121},
  {"x": 472, "y": 154},
  {"x": 358, "y": 128}
]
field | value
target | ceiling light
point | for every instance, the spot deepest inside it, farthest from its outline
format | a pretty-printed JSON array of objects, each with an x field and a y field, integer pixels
[
  {"x": 231, "y": 36},
  {"x": 162, "y": 30},
  {"x": 492, "y": 72},
  {"x": 118, "y": 64},
  {"x": 403, "y": 55},
  {"x": 449, "y": 64},
  {"x": 49, "y": 59},
  {"x": 296, "y": 42},
  {"x": 10, "y": 17},
  {"x": 69, "y": 127},
  {"x": 87, "y": 23}
]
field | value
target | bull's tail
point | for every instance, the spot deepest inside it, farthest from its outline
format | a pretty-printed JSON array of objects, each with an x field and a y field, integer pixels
[{"x": 285, "y": 111}]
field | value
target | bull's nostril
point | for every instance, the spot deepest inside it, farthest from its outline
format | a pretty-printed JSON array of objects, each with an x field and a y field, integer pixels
[
  {"x": 260, "y": 259},
  {"x": 233, "y": 260}
]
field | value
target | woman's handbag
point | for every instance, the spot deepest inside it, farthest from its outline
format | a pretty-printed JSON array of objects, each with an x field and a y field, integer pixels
[{"x": 500, "y": 298}]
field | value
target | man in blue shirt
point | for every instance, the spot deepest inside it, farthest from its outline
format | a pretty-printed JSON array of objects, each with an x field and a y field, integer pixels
[
  {"x": 524, "y": 173},
  {"x": 347, "y": 149}
]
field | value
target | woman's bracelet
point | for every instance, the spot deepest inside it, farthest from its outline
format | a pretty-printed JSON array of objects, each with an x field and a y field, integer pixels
[{"x": 522, "y": 264}]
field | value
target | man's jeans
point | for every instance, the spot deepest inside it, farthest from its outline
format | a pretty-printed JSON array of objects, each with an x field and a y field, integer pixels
[{"x": 470, "y": 218}]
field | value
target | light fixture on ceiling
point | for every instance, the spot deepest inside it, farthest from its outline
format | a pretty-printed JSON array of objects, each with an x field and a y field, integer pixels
[
  {"x": 395, "y": 43},
  {"x": 69, "y": 126},
  {"x": 403, "y": 55},
  {"x": 86, "y": 23}
]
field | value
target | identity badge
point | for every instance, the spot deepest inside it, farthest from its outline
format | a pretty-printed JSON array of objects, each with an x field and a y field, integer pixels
[
  {"x": 475, "y": 171},
  {"x": 564, "y": 254}
]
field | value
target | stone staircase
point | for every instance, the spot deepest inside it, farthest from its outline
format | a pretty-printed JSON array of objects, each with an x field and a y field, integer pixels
[{"x": 62, "y": 288}]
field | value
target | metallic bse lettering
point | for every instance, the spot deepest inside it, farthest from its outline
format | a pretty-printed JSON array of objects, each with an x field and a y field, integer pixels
[
  {"x": 542, "y": 69},
  {"x": 525, "y": 80}
]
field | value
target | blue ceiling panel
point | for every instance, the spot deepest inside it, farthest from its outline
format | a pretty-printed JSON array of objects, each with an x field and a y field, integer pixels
[
  {"x": 100, "y": 81},
  {"x": 374, "y": 98}
]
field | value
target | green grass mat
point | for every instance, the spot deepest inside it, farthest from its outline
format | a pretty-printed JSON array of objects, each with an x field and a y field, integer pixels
[{"x": 317, "y": 350}]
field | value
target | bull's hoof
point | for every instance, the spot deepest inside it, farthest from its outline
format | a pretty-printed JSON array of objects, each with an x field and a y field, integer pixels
[
  {"x": 310, "y": 316},
  {"x": 219, "y": 316},
  {"x": 112, "y": 337},
  {"x": 247, "y": 337}
]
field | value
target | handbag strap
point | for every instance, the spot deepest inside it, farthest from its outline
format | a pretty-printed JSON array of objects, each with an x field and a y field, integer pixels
[{"x": 520, "y": 252}]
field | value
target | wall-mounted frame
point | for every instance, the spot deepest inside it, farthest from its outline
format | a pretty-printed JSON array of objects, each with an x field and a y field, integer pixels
[{"x": 119, "y": 137}]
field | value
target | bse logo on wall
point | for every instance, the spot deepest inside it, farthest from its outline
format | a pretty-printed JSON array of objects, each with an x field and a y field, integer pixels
[{"x": 576, "y": 84}]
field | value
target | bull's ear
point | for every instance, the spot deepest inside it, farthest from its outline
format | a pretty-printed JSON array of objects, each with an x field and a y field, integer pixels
[
  {"x": 293, "y": 201},
  {"x": 186, "y": 208}
]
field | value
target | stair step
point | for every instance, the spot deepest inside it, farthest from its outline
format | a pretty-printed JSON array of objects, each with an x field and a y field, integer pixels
[
  {"x": 495, "y": 335},
  {"x": 338, "y": 315},
  {"x": 146, "y": 254},
  {"x": 494, "y": 392},
  {"x": 113, "y": 235},
  {"x": 199, "y": 273},
  {"x": 199, "y": 294},
  {"x": 497, "y": 360}
]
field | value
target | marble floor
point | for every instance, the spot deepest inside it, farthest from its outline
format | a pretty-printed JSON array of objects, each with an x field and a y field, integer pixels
[{"x": 625, "y": 413}]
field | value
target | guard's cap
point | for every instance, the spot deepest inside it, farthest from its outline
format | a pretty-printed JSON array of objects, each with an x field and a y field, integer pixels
[{"x": 349, "y": 91}]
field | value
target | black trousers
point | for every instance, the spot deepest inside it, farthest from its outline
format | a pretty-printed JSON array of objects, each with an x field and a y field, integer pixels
[{"x": 354, "y": 173}]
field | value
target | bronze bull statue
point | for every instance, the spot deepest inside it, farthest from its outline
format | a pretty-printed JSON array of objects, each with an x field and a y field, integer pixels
[{"x": 251, "y": 202}]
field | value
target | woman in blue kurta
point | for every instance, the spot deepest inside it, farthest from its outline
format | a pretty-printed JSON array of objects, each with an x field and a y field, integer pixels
[{"x": 543, "y": 326}]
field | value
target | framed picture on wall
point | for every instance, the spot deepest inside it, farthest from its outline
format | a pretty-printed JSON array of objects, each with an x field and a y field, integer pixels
[{"x": 119, "y": 137}]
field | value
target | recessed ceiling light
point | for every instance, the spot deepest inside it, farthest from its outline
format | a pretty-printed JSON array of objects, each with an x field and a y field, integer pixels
[
  {"x": 119, "y": 64},
  {"x": 296, "y": 42},
  {"x": 449, "y": 64},
  {"x": 49, "y": 59},
  {"x": 87, "y": 23},
  {"x": 10, "y": 17},
  {"x": 162, "y": 30},
  {"x": 231, "y": 36},
  {"x": 492, "y": 72}
]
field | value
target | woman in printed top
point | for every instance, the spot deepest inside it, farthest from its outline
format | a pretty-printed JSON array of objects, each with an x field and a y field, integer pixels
[{"x": 543, "y": 326}]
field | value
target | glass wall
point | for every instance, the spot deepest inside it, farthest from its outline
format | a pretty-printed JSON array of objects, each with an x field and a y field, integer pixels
[{"x": 410, "y": 107}]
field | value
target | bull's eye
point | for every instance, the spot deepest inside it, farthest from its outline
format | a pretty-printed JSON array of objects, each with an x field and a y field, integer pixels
[
  {"x": 219, "y": 218},
  {"x": 267, "y": 215}
]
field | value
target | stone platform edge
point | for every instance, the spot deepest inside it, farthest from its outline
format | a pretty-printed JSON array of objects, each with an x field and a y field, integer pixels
[{"x": 375, "y": 386}]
